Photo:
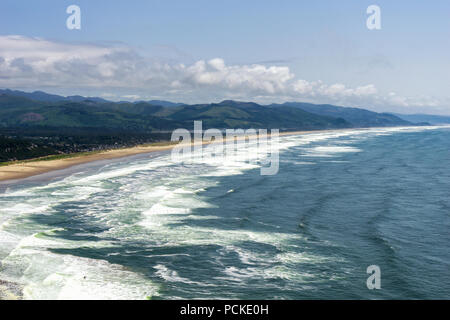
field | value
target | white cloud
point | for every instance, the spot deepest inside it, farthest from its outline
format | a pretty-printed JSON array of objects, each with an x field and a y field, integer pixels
[
  {"x": 131, "y": 97},
  {"x": 38, "y": 63},
  {"x": 316, "y": 88},
  {"x": 247, "y": 77}
]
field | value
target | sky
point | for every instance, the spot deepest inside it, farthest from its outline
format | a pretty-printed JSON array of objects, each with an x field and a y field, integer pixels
[{"x": 207, "y": 51}]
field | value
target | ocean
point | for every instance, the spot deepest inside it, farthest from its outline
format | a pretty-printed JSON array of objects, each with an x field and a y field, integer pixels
[{"x": 146, "y": 227}]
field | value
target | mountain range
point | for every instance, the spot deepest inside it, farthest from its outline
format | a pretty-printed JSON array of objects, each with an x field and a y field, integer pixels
[
  {"x": 53, "y": 123},
  {"x": 40, "y": 109}
]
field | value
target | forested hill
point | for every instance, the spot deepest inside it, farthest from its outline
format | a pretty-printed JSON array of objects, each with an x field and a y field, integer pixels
[
  {"x": 44, "y": 124},
  {"x": 356, "y": 116},
  {"x": 18, "y": 111}
]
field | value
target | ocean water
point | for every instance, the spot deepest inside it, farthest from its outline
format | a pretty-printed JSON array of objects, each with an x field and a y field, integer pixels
[{"x": 150, "y": 228}]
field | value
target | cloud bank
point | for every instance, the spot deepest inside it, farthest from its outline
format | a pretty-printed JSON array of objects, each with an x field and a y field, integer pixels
[{"x": 119, "y": 72}]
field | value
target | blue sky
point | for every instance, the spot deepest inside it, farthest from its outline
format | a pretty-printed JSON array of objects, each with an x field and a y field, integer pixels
[{"x": 202, "y": 51}]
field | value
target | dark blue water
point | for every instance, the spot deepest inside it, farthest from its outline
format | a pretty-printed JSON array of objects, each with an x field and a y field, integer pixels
[{"x": 149, "y": 228}]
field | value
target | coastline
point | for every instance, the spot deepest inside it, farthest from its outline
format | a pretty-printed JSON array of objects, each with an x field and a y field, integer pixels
[
  {"x": 21, "y": 170},
  {"x": 33, "y": 167}
]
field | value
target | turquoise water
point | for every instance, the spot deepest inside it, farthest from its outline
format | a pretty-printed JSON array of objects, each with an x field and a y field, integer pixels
[{"x": 148, "y": 227}]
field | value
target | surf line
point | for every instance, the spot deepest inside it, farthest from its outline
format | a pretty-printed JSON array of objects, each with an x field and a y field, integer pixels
[{"x": 235, "y": 145}]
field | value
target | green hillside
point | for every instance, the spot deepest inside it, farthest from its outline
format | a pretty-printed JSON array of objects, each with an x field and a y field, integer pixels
[
  {"x": 356, "y": 116},
  {"x": 55, "y": 124},
  {"x": 231, "y": 114}
]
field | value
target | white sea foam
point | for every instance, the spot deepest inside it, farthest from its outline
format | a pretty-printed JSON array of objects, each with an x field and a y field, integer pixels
[
  {"x": 47, "y": 275},
  {"x": 329, "y": 151},
  {"x": 158, "y": 194},
  {"x": 82, "y": 278},
  {"x": 173, "y": 276}
]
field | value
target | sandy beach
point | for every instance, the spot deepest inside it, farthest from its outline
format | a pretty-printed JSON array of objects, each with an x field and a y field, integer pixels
[
  {"x": 22, "y": 170},
  {"x": 25, "y": 169}
]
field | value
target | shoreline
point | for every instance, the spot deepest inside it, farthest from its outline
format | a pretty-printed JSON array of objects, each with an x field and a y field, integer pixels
[
  {"x": 29, "y": 168},
  {"x": 33, "y": 167}
]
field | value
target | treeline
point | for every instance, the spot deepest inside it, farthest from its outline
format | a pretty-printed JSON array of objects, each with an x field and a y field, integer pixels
[{"x": 34, "y": 142}]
